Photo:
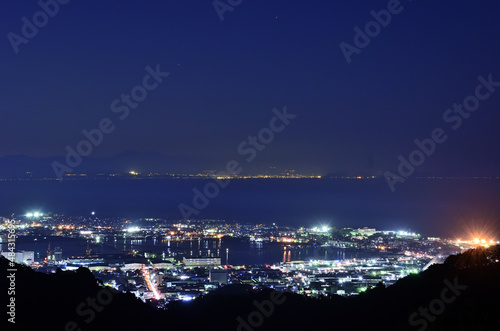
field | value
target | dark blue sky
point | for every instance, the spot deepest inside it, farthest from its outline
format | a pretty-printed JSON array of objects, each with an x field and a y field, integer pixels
[{"x": 226, "y": 77}]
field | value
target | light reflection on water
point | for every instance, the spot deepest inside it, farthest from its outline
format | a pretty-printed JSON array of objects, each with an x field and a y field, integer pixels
[{"x": 237, "y": 252}]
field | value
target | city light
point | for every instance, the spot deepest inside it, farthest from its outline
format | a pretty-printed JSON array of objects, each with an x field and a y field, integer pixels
[
  {"x": 407, "y": 234},
  {"x": 478, "y": 242},
  {"x": 321, "y": 229},
  {"x": 482, "y": 242},
  {"x": 35, "y": 214},
  {"x": 355, "y": 275},
  {"x": 479, "y": 232}
]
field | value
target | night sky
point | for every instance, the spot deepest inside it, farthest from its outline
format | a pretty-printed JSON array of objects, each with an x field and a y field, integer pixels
[{"x": 225, "y": 77}]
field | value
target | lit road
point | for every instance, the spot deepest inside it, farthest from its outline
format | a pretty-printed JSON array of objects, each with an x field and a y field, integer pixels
[{"x": 151, "y": 286}]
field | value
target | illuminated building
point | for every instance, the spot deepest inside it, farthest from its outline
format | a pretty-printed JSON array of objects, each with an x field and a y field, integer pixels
[
  {"x": 202, "y": 261},
  {"x": 55, "y": 255},
  {"x": 24, "y": 257}
]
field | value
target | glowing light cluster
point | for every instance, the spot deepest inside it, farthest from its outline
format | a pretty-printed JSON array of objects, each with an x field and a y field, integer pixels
[
  {"x": 478, "y": 241},
  {"x": 321, "y": 228},
  {"x": 407, "y": 234},
  {"x": 483, "y": 242},
  {"x": 479, "y": 233},
  {"x": 34, "y": 214},
  {"x": 66, "y": 227}
]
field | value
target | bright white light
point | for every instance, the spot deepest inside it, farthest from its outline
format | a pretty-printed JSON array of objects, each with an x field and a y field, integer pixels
[
  {"x": 322, "y": 228},
  {"x": 34, "y": 214},
  {"x": 92, "y": 213},
  {"x": 133, "y": 229}
]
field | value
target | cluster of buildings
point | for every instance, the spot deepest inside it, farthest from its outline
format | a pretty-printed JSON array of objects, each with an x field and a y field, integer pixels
[
  {"x": 21, "y": 257},
  {"x": 170, "y": 280},
  {"x": 162, "y": 279}
]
